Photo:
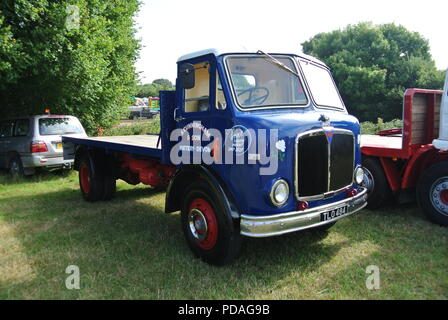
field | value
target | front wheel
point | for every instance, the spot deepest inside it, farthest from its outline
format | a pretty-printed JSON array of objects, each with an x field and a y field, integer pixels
[
  {"x": 432, "y": 193},
  {"x": 210, "y": 234}
]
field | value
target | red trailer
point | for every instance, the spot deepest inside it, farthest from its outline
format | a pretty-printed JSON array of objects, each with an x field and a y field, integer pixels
[{"x": 404, "y": 161}]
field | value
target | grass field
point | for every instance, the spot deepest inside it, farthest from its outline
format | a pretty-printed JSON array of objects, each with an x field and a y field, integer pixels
[{"x": 129, "y": 248}]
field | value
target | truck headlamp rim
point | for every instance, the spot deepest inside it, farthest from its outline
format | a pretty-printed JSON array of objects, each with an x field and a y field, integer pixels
[
  {"x": 279, "y": 193},
  {"x": 359, "y": 175}
]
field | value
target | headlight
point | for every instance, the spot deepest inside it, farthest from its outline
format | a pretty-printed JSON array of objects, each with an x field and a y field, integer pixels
[
  {"x": 359, "y": 175},
  {"x": 279, "y": 193}
]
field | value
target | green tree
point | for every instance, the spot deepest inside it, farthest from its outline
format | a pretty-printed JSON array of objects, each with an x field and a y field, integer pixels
[
  {"x": 373, "y": 65},
  {"x": 165, "y": 83},
  {"x": 152, "y": 89},
  {"x": 71, "y": 56}
]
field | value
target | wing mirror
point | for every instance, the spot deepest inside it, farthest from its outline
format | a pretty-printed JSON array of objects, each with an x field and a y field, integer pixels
[{"x": 186, "y": 76}]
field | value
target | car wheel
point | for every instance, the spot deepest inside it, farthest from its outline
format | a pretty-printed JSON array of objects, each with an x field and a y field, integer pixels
[
  {"x": 91, "y": 184},
  {"x": 16, "y": 167},
  {"x": 210, "y": 234},
  {"x": 432, "y": 193},
  {"x": 378, "y": 190}
]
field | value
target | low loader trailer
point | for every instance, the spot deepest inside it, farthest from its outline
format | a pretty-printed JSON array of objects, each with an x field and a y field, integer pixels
[
  {"x": 412, "y": 160},
  {"x": 250, "y": 144}
]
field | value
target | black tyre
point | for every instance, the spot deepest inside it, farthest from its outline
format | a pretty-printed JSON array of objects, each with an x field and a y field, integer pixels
[
  {"x": 378, "y": 190},
  {"x": 110, "y": 185},
  {"x": 91, "y": 183},
  {"x": 210, "y": 233},
  {"x": 15, "y": 167},
  {"x": 432, "y": 193}
]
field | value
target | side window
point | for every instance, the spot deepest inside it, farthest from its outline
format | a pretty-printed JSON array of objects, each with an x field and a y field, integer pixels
[
  {"x": 197, "y": 99},
  {"x": 22, "y": 127},
  {"x": 221, "y": 103},
  {"x": 6, "y": 129}
]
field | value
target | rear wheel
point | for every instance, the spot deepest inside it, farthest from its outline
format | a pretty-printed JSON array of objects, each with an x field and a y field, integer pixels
[
  {"x": 378, "y": 190},
  {"x": 211, "y": 235},
  {"x": 432, "y": 193},
  {"x": 16, "y": 167},
  {"x": 110, "y": 185},
  {"x": 90, "y": 182}
]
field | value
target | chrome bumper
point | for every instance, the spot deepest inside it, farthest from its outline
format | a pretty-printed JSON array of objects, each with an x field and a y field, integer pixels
[{"x": 267, "y": 226}]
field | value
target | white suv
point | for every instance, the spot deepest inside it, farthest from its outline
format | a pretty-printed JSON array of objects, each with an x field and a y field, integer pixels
[{"x": 27, "y": 143}]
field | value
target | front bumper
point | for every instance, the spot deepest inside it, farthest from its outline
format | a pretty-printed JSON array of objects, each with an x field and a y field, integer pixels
[{"x": 267, "y": 226}]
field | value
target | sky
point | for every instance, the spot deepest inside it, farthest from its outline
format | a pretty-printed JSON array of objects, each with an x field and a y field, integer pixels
[{"x": 169, "y": 29}]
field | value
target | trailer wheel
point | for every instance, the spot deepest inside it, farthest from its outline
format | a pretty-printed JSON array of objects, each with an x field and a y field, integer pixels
[
  {"x": 375, "y": 181},
  {"x": 432, "y": 193},
  {"x": 91, "y": 184},
  {"x": 110, "y": 186},
  {"x": 209, "y": 233}
]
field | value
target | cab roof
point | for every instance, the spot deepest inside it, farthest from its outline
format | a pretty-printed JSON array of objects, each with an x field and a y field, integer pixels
[{"x": 217, "y": 53}]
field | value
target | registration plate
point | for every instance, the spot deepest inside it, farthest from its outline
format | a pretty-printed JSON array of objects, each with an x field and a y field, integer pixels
[
  {"x": 333, "y": 214},
  {"x": 59, "y": 145}
]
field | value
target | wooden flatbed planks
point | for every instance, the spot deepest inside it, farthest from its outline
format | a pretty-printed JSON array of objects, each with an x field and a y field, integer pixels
[
  {"x": 147, "y": 141},
  {"x": 376, "y": 141},
  {"x": 145, "y": 145}
]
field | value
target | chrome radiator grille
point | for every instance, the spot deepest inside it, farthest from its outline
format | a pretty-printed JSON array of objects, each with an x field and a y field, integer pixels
[{"x": 325, "y": 162}]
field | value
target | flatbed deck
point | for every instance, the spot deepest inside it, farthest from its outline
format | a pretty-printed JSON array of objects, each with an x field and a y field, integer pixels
[
  {"x": 390, "y": 142},
  {"x": 146, "y": 145}
]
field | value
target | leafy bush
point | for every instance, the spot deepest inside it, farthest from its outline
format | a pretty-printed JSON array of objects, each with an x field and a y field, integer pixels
[
  {"x": 72, "y": 57},
  {"x": 144, "y": 127},
  {"x": 374, "y": 64},
  {"x": 368, "y": 127}
]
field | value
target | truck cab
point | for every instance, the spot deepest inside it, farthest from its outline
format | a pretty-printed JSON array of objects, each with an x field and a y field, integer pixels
[
  {"x": 307, "y": 160},
  {"x": 251, "y": 144}
]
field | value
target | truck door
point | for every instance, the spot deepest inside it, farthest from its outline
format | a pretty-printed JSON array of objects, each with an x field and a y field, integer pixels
[{"x": 193, "y": 113}]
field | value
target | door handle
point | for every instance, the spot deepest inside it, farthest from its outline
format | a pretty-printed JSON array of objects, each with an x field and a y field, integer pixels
[{"x": 176, "y": 118}]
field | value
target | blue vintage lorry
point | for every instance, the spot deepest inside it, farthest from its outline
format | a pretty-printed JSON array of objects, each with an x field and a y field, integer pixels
[{"x": 251, "y": 144}]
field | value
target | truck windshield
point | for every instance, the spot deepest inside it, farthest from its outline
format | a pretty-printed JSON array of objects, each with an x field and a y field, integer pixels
[
  {"x": 257, "y": 82},
  {"x": 58, "y": 126},
  {"x": 321, "y": 85}
]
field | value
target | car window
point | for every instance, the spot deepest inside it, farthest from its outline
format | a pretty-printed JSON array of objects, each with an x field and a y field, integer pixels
[
  {"x": 6, "y": 129},
  {"x": 22, "y": 127},
  {"x": 59, "y": 126}
]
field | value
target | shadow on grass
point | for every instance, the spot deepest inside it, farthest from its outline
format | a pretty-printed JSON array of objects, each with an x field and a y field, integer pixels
[
  {"x": 39, "y": 176},
  {"x": 128, "y": 248}
]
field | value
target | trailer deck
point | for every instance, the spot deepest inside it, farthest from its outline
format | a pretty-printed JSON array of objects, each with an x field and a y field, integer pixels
[
  {"x": 146, "y": 145},
  {"x": 377, "y": 141}
]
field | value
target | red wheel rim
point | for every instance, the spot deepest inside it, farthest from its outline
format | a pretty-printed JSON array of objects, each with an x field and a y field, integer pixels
[
  {"x": 444, "y": 196},
  {"x": 85, "y": 179},
  {"x": 203, "y": 223}
]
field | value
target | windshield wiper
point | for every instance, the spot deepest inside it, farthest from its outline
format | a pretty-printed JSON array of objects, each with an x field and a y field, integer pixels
[{"x": 277, "y": 63}]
